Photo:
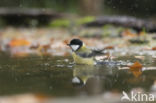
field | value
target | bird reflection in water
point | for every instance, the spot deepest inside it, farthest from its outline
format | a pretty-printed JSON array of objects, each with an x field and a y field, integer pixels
[
  {"x": 91, "y": 79},
  {"x": 81, "y": 74}
]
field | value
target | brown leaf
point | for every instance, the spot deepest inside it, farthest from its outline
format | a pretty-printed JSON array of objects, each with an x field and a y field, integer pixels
[
  {"x": 136, "y": 69},
  {"x": 136, "y": 66},
  {"x": 154, "y": 48},
  {"x": 109, "y": 47}
]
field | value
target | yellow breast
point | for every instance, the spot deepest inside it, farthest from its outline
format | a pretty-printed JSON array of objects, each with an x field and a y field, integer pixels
[{"x": 80, "y": 60}]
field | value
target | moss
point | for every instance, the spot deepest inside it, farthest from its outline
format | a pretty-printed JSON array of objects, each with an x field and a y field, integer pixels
[
  {"x": 85, "y": 20},
  {"x": 60, "y": 23}
]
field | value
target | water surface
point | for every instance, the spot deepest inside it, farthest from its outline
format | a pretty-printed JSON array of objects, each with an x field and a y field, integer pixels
[{"x": 59, "y": 77}]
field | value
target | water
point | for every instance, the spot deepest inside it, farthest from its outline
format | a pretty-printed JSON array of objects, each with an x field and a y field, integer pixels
[{"x": 59, "y": 77}]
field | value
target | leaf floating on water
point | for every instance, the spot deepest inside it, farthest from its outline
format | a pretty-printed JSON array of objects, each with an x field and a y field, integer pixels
[
  {"x": 136, "y": 69},
  {"x": 136, "y": 66},
  {"x": 19, "y": 42}
]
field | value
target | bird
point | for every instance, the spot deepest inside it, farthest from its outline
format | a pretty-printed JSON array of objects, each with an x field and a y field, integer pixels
[{"x": 82, "y": 54}]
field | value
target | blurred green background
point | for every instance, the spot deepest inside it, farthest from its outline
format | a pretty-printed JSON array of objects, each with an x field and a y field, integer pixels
[{"x": 143, "y": 8}]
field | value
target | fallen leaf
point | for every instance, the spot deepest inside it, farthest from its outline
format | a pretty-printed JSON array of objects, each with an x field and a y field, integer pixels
[
  {"x": 136, "y": 66},
  {"x": 154, "y": 48},
  {"x": 136, "y": 69},
  {"x": 19, "y": 42},
  {"x": 109, "y": 47}
]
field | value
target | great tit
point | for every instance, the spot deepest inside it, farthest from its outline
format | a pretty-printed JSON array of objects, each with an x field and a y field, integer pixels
[{"x": 83, "y": 55}]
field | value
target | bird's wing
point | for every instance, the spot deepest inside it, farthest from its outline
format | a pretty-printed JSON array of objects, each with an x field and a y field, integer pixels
[
  {"x": 97, "y": 52},
  {"x": 92, "y": 53}
]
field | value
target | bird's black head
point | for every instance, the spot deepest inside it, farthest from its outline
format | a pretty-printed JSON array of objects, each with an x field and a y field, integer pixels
[{"x": 75, "y": 44}]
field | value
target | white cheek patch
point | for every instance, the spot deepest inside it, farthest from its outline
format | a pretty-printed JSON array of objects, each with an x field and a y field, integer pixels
[{"x": 74, "y": 47}]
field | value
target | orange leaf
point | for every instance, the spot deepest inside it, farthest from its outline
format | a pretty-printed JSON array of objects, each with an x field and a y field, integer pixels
[
  {"x": 154, "y": 48},
  {"x": 136, "y": 66},
  {"x": 136, "y": 69},
  {"x": 19, "y": 42},
  {"x": 109, "y": 47}
]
